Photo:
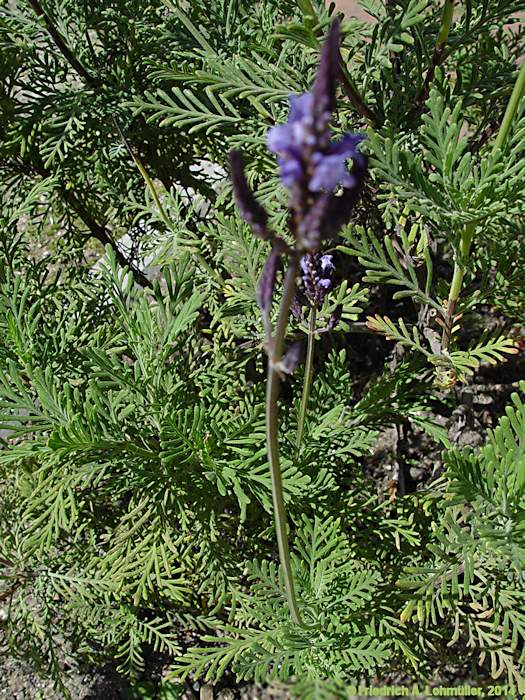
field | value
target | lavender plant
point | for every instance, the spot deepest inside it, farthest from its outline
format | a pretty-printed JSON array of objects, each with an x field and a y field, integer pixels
[
  {"x": 313, "y": 167},
  {"x": 137, "y": 509}
]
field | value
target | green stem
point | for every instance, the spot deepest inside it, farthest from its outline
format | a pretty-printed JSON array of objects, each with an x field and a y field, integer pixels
[
  {"x": 308, "y": 371},
  {"x": 145, "y": 176},
  {"x": 272, "y": 437},
  {"x": 462, "y": 255},
  {"x": 162, "y": 211},
  {"x": 510, "y": 112},
  {"x": 460, "y": 261},
  {"x": 439, "y": 49},
  {"x": 355, "y": 98},
  {"x": 446, "y": 22},
  {"x": 307, "y": 8}
]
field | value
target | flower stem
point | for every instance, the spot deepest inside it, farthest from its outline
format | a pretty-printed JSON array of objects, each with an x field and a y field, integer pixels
[
  {"x": 461, "y": 256},
  {"x": 308, "y": 370},
  {"x": 272, "y": 436}
]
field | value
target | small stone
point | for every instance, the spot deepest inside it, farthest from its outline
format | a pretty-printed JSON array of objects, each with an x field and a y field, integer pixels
[
  {"x": 226, "y": 694},
  {"x": 417, "y": 473},
  {"x": 469, "y": 438},
  {"x": 206, "y": 692}
]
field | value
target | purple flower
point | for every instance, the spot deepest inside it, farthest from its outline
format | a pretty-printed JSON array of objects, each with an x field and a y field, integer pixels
[
  {"x": 297, "y": 132},
  {"x": 290, "y": 140},
  {"x": 300, "y": 156},
  {"x": 327, "y": 264},
  {"x": 311, "y": 165},
  {"x": 330, "y": 168},
  {"x": 316, "y": 279},
  {"x": 324, "y": 177}
]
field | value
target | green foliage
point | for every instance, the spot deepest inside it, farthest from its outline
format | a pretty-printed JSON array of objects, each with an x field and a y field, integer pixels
[
  {"x": 436, "y": 175},
  {"x": 135, "y": 499},
  {"x": 472, "y": 578},
  {"x": 335, "y": 591},
  {"x": 459, "y": 363},
  {"x": 162, "y": 691}
]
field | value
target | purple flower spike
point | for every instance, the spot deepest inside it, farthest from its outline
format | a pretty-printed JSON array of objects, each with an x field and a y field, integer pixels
[
  {"x": 327, "y": 75},
  {"x": 325, "y": 179},
  {"x": 316, "y": 279},
  {"x": 312, "y": 166}
]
